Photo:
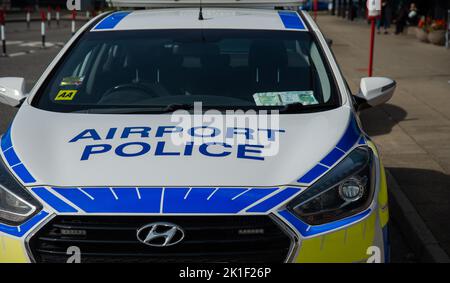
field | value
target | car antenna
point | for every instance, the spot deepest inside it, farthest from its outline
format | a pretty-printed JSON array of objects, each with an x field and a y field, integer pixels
[{"x": 200, "y": 15}]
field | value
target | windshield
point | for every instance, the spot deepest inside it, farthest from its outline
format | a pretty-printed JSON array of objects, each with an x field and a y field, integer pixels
[{"x": 159, "y": 69}]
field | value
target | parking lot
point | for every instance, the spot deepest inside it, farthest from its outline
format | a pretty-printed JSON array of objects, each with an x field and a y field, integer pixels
[{"x": 412, "y": 131}]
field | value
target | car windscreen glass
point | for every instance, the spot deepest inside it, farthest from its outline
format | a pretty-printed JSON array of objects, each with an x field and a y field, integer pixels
[{"x": 157, "y": 69}]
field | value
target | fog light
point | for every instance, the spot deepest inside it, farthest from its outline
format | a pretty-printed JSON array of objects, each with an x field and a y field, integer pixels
[{"x": 351, "y": 190}]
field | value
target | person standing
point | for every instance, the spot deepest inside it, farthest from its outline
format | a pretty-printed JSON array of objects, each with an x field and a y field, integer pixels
[
  {"x": 402, "y": 17},
  {"x": 385, "y": 19},
  {"x": 361, "y": 9},
  {"x": 413, "y": 15}
]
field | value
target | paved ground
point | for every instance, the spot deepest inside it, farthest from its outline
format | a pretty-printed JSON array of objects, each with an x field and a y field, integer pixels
[
  {"x": 413, "y": 129},
  {"x": 32, "y": 65}
]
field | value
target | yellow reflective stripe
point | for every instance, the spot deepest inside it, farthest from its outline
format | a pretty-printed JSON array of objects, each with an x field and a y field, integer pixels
[
  {"x": 373, "y": 147},
  {"x": 346, "y": 245},
  {"x": 383, "y": 198},
  {"x": 12, "y": 250},
  {"x": 383, "y": 193}
]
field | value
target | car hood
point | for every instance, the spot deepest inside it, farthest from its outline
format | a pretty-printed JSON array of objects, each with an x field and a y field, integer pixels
[{"x": 51, "y": 145}]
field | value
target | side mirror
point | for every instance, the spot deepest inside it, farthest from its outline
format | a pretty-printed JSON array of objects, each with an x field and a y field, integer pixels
[
  {"x": 12, "y": 91},
  {"x": 374, "y": 91}
]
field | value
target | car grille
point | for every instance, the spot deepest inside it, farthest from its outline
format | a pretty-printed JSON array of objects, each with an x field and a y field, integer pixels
[{"x": 207, "y": 239}]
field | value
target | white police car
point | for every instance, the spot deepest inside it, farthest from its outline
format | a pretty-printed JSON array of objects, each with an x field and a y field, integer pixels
[{"x": 109, "y": 157}]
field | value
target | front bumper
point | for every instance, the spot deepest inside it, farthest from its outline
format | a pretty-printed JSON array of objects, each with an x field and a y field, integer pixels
[
  {"x": 348, "y": 244},
  {"x": 355, "y": 239}
]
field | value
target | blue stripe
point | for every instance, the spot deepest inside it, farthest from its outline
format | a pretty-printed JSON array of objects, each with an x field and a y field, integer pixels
[
  {"x": 14, "y": 160},
  {"x": 11, "y": 157},
  {"x": 362, "y": 141},
  {"x": 291, "y": 20},
  {"x": 104, "y": 200},
  {"x": 308, "y": 230},
  {"x": 21, "y": 230},
  {"x": 6, "y": 140},
  {"x": 350, "y": 137},
  {"x": 23, "y": 174},
  {"x": 174, "y": 200},
  {"x": 313, "y": 174},
  {"x": 210, "y": 200},
  {"x": 332, "y": 157},
  {"x": 53, "y": 200},
  {"x": 274, "y": 201},
  {"x": 112, "y": 20}
]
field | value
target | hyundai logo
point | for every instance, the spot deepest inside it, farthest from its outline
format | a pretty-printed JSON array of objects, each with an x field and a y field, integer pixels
[{"x": 160, "y": 234}]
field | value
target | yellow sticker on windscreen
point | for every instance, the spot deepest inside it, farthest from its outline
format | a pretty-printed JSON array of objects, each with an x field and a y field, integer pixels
[{"x": 66, "y": 94}]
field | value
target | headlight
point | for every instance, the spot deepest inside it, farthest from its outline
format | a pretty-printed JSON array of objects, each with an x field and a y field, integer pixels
[
  {"x": 344, "y": 191},
  {"x": 16, "y": 204}
]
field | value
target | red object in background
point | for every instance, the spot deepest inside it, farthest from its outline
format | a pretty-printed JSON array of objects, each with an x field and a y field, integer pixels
[
  {"x": 43, "y": 16},
  {"x": 373, "y": 20},
  {"x": 2, "y": 17},
  {"x": 58, "y": 9},
  {"x": 316, "y": 7},
  {"x": 49, "y": 9},
  {"x": 74, "y": 14},
  {"x": 372, "y": 46}
]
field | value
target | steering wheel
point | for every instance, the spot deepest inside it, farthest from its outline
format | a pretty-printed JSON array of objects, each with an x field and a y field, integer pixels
[{"x": 127, "y": 93}]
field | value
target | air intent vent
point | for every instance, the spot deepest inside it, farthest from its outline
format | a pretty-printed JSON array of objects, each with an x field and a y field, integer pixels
[{"x": 207, "y": 239}]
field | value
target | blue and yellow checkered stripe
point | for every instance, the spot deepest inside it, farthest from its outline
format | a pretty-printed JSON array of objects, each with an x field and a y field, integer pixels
[
  {"x": 13, "y": 159},
  {"x": 165, "y": 200}
]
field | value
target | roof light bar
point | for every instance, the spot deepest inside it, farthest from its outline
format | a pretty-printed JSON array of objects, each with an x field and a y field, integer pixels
[{"x": 204, "y": 3}]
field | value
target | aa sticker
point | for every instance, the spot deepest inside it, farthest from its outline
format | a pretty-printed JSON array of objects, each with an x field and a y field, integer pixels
[{"x": 66, "y": 94}]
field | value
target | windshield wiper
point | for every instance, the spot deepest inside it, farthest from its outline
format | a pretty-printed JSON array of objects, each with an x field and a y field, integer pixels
[
  {"x": 300, "y": 108},
  {"x": 293, "y": 107},
  {"x": 138, "y": 110},
  {"x": 174, "y": 107},
  {"x": 160, "y": 109}
]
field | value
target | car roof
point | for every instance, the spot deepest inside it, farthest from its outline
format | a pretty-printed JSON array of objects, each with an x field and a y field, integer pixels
[{"x": 214, "y": 18}]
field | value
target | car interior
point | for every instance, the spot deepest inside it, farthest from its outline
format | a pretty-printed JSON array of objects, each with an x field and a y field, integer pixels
[{"x": 166, "y": 71}]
